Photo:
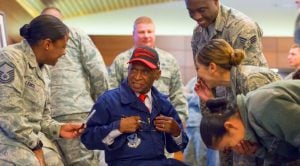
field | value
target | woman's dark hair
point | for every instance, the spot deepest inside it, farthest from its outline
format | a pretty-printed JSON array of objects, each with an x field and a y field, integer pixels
[
  {"x": 221, "y": 53},
  {"x": 43, "y": 27},
  {"x": 212, "y": 124}
]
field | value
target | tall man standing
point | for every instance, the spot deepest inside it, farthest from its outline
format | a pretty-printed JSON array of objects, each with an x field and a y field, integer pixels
[{"x": 218, "y": 21}]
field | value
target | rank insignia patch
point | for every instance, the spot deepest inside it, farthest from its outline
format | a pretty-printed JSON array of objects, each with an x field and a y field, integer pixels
[{"x": 7, "y": 73}]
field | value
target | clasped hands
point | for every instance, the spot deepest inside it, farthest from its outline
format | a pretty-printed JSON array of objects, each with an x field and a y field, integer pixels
[{"x": 162, "y": 123}]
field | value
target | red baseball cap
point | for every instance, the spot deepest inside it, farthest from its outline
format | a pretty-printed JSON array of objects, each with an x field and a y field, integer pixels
[{"x": 146, "y": 55}]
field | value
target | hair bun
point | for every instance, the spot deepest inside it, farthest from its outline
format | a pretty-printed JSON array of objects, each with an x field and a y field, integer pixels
[
  {"x": 217, "y": 104},
  {"x": 24, "y": 31}
]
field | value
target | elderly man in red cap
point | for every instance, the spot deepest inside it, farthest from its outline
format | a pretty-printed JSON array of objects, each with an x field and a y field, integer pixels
[{"x": 134, "y": 122}]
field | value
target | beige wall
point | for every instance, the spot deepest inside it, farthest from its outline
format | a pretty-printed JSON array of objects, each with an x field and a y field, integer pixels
[{"x": 275, "y": 50}]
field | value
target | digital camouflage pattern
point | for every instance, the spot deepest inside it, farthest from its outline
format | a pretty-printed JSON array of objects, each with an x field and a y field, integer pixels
[
  {"x": 170, "y": 82},
  {"x": 24, "y": 106},
  {"x": 76, "y": 81},
  {"x": 78, "y": 77},
  {"x": 238, "y": 30}
]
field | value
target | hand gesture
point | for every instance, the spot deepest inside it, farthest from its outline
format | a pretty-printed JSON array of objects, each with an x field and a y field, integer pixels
[
  {"x": 203, "y": 91},
  {"x": 167, "y": 124},
  {"x": 129, "y": 124},
  {"x": 71, "y": 130},
  {"x": 246, "y": 148}
]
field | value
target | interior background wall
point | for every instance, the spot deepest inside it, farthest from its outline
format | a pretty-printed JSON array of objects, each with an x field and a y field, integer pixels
[{"x": 275, "y": 49}]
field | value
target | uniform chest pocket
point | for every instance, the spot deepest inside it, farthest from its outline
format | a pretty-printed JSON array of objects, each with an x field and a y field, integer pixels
[{"x": 34, "y": 94}]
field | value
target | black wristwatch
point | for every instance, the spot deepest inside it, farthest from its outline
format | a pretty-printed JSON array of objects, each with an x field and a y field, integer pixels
[{"x": 38, "y": 146}]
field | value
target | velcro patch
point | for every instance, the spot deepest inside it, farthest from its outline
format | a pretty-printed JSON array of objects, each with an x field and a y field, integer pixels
[{"x": 7, "y": 73}]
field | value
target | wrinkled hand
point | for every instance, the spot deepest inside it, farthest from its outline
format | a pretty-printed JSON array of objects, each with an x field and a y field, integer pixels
[
  {"x": 129, "y": 124},
  {"x": 246, "y": 148},
  {"x": 203, "y": 91},
  {"x": 72, "y": 130},
  {"x": 39, "y": 154},
  {"x": 167, "y": 124}
]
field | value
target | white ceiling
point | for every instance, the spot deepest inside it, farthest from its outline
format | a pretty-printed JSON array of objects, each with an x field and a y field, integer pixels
[{"x": 276, "y": 17}]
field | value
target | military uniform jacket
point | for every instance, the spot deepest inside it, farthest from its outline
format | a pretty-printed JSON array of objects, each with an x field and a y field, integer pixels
[
  {"x": 245, "y": 78},
  {"x": 24, "y": 106},
  {"x": 169, "y": 83},
  {"x": 123, "y": 102},
  {"x": 271, "y": 117},
  {"x": 78, "y": 77},
  {"x": 238, "y": 30}
]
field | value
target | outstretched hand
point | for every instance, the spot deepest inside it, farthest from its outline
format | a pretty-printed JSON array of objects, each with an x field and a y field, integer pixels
[
  {"x": 71, "y": 130},
  {"x": 203, "y": 91}
]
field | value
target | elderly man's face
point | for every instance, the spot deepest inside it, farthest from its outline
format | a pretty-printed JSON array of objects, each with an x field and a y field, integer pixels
[
  {"x": 141, "y": 77},
  {"x": 204, "y": 12}
]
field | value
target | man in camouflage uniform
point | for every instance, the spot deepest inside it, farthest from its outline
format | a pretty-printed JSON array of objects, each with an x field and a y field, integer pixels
[
  {"x": 218, "y": 21},
  {"x": 169, "y": 83},
  {"x": 76, "y": 81}
]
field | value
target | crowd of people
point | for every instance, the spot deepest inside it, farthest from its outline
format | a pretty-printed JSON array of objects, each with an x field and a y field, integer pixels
[{"x": 60, "y": 105}]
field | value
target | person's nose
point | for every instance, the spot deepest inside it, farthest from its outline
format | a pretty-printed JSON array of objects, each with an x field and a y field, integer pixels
[
  {"x": 138, "y": 75},
  {"x": 197, "y": 16}
]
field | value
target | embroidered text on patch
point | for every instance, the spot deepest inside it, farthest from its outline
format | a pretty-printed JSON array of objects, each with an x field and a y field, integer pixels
[{"x": 7, "y": 73}]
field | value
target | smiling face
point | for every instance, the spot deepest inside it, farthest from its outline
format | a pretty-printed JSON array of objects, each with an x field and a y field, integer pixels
[
  {"x": 141, "y": 77},
  {"x": 54, "y": 50},
  {"x": 208, "y": 74},
  {"x": 204, "y": 12}
]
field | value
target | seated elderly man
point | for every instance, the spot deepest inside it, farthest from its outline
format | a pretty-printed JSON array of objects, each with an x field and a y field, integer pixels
[{"x": 134, "y": 122}]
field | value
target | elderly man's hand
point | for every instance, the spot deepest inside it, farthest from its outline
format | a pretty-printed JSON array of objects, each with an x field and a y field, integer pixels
[
  {"x": 167, "y": 124},
  {"x": 129, "y": 124}
]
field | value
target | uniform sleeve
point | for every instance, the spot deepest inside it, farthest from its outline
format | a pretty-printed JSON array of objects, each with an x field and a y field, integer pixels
[
  {"x": 49, "y": 126},
  {"x": 177, "y": 96},
  {"x": 93, "y": 65},
  {"x": 278, "y": 113},
  {"x": 258, "y": 79},
  {"x": 117, "y": 69},
  {"x": 99, "y": 125},
  {"x": 13, "y": 117},
  {"x": 249, "y": 39}
]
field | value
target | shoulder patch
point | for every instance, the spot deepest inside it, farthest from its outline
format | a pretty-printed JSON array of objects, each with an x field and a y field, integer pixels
[{"x": 7, "y": 73}]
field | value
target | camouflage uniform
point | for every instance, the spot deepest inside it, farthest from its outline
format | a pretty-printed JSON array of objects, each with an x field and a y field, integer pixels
[
  {"x": 77, "y": 79},
  {"x": 238, "y": 30},
  {"x": 243, "y": 80},
  {"x": 24, "y": 106},
  {"x": 169, "y": 83}
]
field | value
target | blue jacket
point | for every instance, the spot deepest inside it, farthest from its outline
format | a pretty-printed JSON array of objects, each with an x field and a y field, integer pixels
[{"x": 122, "y": 102}]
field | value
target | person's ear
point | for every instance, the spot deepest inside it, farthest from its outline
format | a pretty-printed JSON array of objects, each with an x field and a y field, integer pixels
[
  {"x": 229, "y": 126},
  {"x": 46, "y": 44},
  {"x": 157, "y": 74},
  {"x": 212, "y": 67}
]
